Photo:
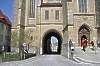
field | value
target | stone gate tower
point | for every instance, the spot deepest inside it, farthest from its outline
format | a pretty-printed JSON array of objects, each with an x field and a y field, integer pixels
[{"x": 36, "y": 21}]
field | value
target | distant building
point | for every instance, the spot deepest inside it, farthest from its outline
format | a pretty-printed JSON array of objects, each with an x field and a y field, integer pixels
[{"x": 5, "y": 33}]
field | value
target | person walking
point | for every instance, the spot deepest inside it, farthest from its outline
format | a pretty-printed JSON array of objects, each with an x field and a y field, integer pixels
[
  {"x": 92, "y": 45},
  {"x": 71, "y": 45},
  {"x": 84, "y": 44},
  {"x": 71, "y": 48}
]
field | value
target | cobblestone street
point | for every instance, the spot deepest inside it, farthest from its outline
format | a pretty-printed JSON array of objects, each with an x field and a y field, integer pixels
[{"x": 46, "y": 60}]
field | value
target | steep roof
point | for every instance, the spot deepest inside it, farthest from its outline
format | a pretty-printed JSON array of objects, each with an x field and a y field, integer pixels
[{"x": 4, "y": 19}]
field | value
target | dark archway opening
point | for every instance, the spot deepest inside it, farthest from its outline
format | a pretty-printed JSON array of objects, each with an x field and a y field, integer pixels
[
  {"x": 84, "y": 36},
  {"x": 46, "y": 42},
  {"x": 84, "y": 32}
]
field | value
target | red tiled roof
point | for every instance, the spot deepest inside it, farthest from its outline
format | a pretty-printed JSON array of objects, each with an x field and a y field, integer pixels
[{"x": 5, "y": 19}]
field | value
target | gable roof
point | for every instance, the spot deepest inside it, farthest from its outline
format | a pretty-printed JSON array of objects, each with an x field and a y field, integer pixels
[{"x": 4, "y": 19}]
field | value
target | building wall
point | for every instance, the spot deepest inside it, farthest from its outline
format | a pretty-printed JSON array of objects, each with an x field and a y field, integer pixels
[
  {"x": 38, "y": 26},
  {"x": 43, "y": 26},
  {"x": 5, "y": 33},
  {"x": 77, "y": 19},
  {"x": 98, "y": 19},
  {"x": 51, "y": 15}
]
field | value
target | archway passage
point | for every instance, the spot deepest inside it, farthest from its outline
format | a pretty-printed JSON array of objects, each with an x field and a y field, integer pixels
[
  {"x": 84, "y": 32},
  {"x": 46, "y": 42}
]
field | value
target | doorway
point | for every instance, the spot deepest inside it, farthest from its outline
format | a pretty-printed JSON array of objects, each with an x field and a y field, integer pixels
[
  {"x": 51, "y": 43},
  {"x": 84, "y": 32}
]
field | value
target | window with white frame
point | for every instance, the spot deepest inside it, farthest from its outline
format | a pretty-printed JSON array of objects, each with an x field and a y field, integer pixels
[{"x": 82, "y": 6}]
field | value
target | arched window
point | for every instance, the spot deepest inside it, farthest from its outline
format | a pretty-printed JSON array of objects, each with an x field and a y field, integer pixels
[
  {"x": 82, "y": 6},
  {"x": 32, "y": 9}
]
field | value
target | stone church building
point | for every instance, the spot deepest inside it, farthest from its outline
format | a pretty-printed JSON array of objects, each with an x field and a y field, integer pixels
[{"x": 64, "y": 19}]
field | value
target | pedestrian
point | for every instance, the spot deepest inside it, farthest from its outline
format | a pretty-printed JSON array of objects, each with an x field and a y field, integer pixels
[
  {"x": 71, "y": 45},
  {"x": 84, "y": 44},
  {"x": 26, "y": 47},
  {"x": 92, "y": 45}
]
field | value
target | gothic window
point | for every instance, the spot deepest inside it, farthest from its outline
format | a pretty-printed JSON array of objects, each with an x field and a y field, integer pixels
[
  {"x": 82, "y": 6},
  {"x": 32, "y": 9},
  {"x": 46, "y": 14},
  {"x": 57, "y": 14}
]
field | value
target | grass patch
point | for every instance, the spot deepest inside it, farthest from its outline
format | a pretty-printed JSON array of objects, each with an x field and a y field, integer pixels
[{"x": 9, "y": 56}]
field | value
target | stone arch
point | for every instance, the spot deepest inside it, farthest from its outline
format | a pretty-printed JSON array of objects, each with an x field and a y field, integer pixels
[
  {"x": 46, "y": 41},
  {"x": 84, "y": 32}
]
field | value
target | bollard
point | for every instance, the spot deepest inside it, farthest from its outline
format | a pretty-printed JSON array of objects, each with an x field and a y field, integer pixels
[{"x": 72, "y": 53}]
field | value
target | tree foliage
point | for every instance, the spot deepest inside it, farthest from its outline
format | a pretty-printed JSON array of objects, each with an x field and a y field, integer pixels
[{"x": 14, "y": 39}]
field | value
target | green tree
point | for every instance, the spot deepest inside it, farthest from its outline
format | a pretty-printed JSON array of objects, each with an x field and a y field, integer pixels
[{"x": 28, "y": 36}]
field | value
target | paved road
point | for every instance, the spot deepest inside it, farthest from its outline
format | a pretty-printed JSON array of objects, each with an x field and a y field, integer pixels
[
  {"x": 46, "y": 60},
  {"x": 89, "y": 55}
]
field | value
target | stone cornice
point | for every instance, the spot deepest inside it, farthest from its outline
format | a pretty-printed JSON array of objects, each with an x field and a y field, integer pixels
[
  {"x": 84, "y": 14},
  {"x": 30, "y": 25},
  {"x": 50, "y": 24},
  {"x": 51, "y": 5}
]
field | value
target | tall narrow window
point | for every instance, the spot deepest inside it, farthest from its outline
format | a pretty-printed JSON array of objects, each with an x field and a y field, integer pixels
[
  {"x": 1, "y": 31},
  {"x": 82, "y": 5},
  {"x": 46, "y": 14},
  {"x": 32, "y": 9},
  {"x": 57, "y": 14}
]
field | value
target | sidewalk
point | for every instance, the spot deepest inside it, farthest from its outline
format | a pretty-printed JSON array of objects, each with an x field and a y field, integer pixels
[{"x": 89, "y": 56}]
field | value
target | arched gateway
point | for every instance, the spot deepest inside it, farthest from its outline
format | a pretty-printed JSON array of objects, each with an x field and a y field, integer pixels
[
  {"x": 46, "y": 42},
  {"x": 84, "y": 32}
]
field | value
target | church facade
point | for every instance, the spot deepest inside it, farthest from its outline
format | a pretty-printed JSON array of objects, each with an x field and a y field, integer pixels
[
  {"x": 64, "y": 19},
  {"x": 81, "y": 20}
]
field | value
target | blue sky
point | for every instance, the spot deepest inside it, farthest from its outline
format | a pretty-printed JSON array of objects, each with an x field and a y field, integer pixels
[
  {"x": 7, "y": 8},
  {"x": 53, "y": 39}
]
